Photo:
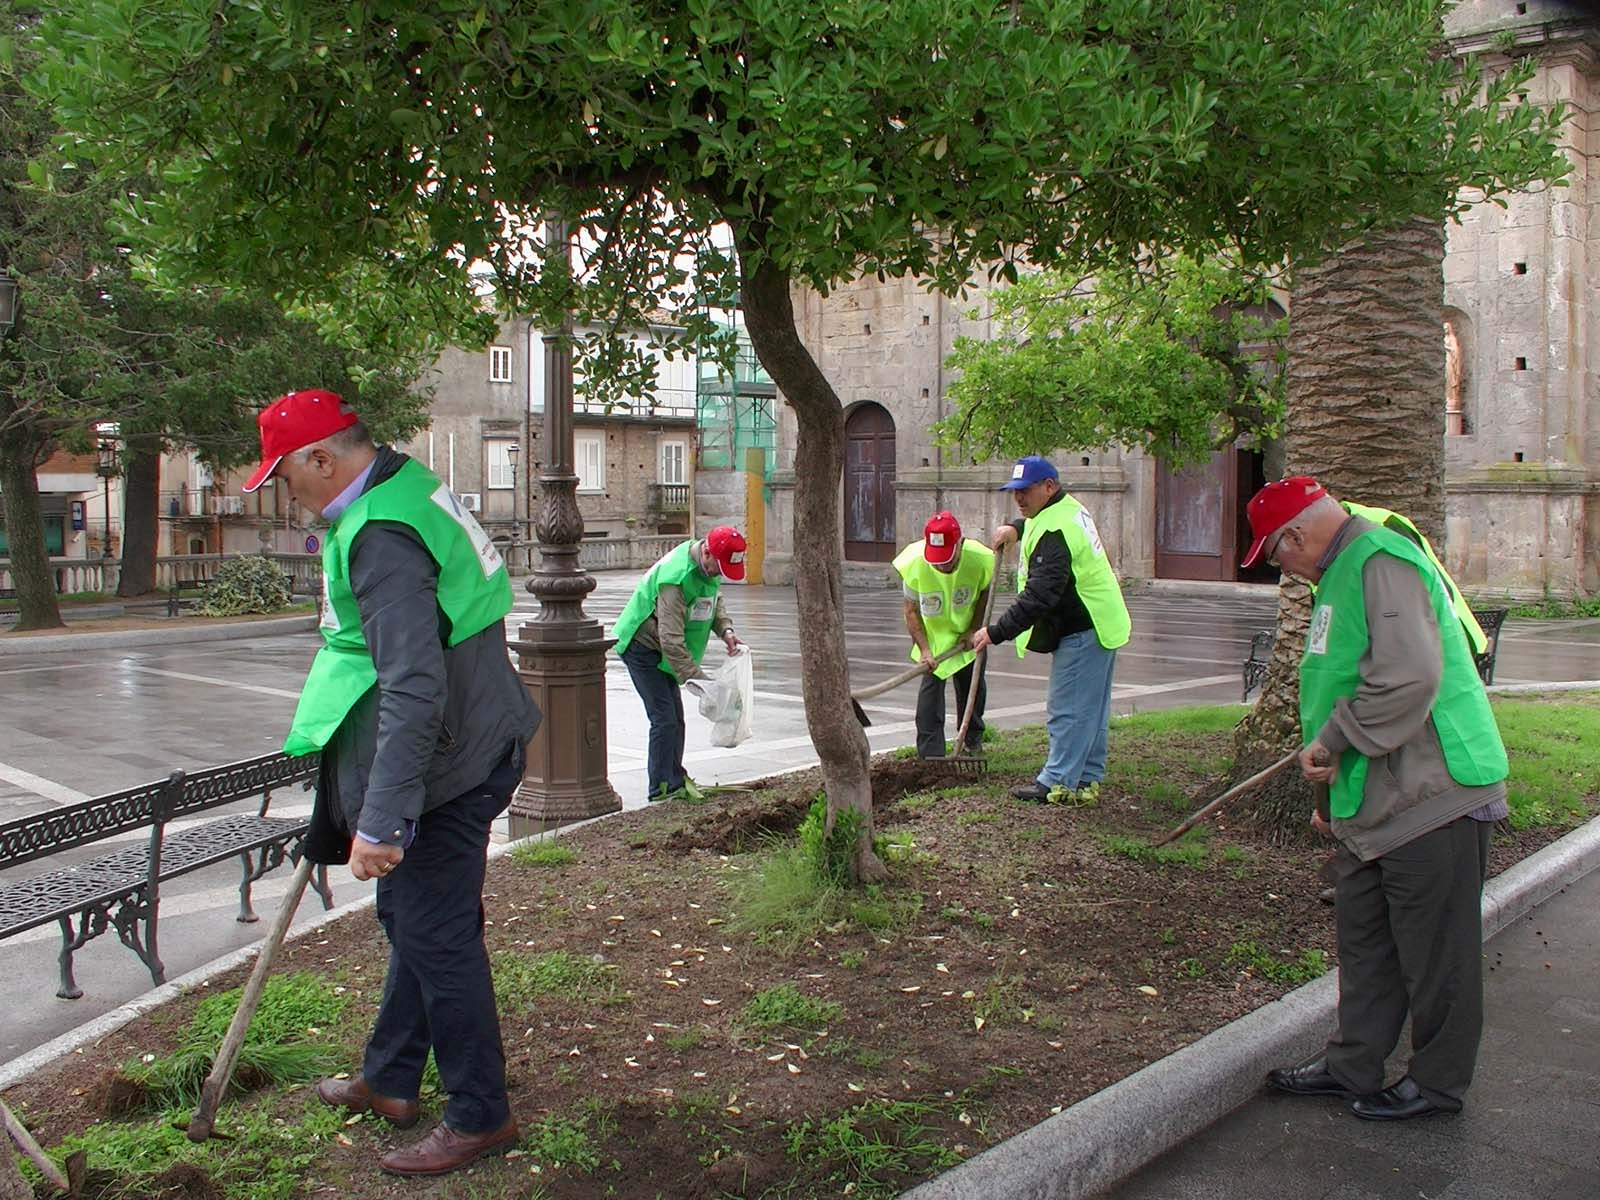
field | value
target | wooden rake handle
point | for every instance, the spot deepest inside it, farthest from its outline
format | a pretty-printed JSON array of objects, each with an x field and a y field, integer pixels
[
  {"x": 983, "y": 655},
  {"x": 205, "y": 1116},
  {"x": 1232, "y": 793},
  {"x": 906, "y": 676}
]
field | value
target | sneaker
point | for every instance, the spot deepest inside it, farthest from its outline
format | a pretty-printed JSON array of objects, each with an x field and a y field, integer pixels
[{"x": 1081, "y": 797}]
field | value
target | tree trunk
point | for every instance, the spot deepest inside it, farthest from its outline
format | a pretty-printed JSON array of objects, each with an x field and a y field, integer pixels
[
  {"x": 140, "y": 479},
  {"x": 1366, "y": 417},
  {"x": 819, "y": 470},
  {"x": 30, "y": 561}
]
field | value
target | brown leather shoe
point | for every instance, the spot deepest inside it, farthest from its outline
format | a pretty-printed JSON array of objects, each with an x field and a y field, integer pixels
[
  {"x": 355, "y": 1095},
  {"x": 444, "y": 1150}
]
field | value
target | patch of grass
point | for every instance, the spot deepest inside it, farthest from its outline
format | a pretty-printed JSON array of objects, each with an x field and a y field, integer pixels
[
  {"x": 1550, "y": 743},
  {"x": 1191, "y": 968},
  {"x": 976, "y": 818},
  {"x": 785, "y": 1006},
  {"x": 851, "y": 960},
  {"x": 520, "y": 979},
  {"x": 285, "y": 1043},
  {"x": 1235, "y": 854},
  {"x": 1000, "y": 997},
  {"x": 543, "y": 854},
  {"x": 1553, "y": 607},
  {"x": 1279, "y": 968},
  {"x": 684, "y": 1039},
  {"x": 870, "y": 1144},
  {"x": 263, "y": 1158},
  {"x": 568, "y": 1141},
  {"x": 1183, "y": 853},
  {"x": 1168, "y": 936}
]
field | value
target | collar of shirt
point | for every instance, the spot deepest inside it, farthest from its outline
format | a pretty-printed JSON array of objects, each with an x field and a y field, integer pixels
[
  {"x": 1341, "y": 538},
  {"x": 348, "y": 497}
]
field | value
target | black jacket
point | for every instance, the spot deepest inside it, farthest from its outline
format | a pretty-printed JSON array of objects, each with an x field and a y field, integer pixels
[
  {"x": 439, "y": 720},
  {"x": 1049, "y": 604}
]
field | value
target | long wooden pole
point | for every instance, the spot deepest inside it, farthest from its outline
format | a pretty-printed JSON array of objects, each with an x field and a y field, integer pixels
[
  {"x": 25, "y": 1143},
  {"x": 1232, "y": 793}
]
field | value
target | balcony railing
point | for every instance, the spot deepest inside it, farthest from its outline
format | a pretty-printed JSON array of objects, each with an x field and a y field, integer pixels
[{"x": 669, "y": 497}]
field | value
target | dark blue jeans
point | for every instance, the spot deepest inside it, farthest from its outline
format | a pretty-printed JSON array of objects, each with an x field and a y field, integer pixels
[
  {"x": 438, "y": 991},
  {"x": 663, "y": 705}
]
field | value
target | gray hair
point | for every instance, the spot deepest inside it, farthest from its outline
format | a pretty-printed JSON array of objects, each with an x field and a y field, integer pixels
[{"x": 350, "y": 440}]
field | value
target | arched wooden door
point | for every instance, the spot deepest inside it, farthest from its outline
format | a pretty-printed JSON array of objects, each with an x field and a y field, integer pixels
[{"x": 869, "y": 485}]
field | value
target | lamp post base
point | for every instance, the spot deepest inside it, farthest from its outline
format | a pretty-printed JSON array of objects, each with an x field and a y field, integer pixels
[{"x": 563, "y": 666}]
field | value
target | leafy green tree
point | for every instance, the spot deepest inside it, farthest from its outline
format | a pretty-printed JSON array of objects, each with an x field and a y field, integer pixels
[
  {"x": 1179, "y": 357},
  {"x": 359, "y": 154},
  {"x": 93, "y": 343}
]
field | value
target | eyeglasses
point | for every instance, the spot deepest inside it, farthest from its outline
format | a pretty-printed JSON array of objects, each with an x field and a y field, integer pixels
[{"x": 1272, "y": 551}]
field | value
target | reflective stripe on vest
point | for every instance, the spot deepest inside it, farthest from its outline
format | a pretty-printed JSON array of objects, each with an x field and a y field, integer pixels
[
  {"x": 474, "y": 593},
  {"x": 1402, "y": 524}
]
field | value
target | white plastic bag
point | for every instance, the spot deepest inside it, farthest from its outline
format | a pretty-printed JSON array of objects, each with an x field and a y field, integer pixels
[{"x": 726, "y": 699}]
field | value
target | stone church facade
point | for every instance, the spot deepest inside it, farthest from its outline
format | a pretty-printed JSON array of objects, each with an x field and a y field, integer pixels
[{"x": 1522, "y": 409}]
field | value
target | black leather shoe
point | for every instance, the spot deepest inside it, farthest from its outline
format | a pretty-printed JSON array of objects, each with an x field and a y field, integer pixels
[
  {"x": 1035, "y": 792},
  {"x": 1312, "y": 1079},
  {"x": 1398, "y": 1103}
]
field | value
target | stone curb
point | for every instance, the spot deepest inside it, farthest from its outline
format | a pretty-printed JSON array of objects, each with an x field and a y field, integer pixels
[
  {"x": 125, "y": 638},
  {"x": 1103, "y": 1139}
]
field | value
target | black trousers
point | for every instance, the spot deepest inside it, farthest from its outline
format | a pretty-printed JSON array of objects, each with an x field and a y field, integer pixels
[
  {"x": 930, "y": 711},
  {"x": 1411, "y": 940},
  {"x": 663, "y": 705},
  {"x": 438, "y": 992}
]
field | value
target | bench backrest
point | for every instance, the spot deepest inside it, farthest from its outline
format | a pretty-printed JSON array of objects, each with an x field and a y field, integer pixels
[{"x": 135, "y": 808}]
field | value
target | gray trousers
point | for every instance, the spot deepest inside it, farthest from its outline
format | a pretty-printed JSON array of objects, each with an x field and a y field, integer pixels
[
  {"x": 930, "y": 712},
  {"x": 1411, "y": 940}
]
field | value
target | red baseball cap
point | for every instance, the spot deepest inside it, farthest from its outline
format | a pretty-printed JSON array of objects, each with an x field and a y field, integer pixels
[
  {"x": 1275, "y": 505},
  {"x": 294, "y": 422},
  {"x": 941, "y": 536},
  {"x": 726, "y": 545}
]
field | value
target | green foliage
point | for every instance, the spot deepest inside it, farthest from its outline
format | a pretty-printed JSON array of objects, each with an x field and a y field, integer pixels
[
  {"x": 1550, "y": 741},
  {"x": 285, "y": 1042},
  {"x": 543, "y": 853},
  {"x": 872, "y": 1144},
  {"x": 520, "y": 979},
  {"x": 1170, "y": 355},
  {"x": 830, "y": 851},
  {"x": 568, "y": 1141},
  {"x": 1552, "y": 607},
  {"x": 1279, "y": 968},
  {"x": 786, "y": 1006},
  {"x": 1186, "y": 852},
  {"x": 1191, "y": 968},
  {"x": 250, "y": 583},
  {"x": 787, "y": 901}
]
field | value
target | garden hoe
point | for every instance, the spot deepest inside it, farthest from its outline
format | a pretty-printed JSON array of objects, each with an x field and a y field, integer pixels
[
  {"x": 203, "y": 1124},
  {"x": 962, "y": 763},
  {"x": 894, "y": 681},
  {"x": 1232, "y": 793}
]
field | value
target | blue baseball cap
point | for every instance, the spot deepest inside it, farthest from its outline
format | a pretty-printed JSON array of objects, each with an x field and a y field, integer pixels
[{"x": 1029, "y": 471}]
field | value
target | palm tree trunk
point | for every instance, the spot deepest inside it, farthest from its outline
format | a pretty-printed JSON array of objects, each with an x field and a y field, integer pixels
[
  {"x": 819, "y": 469},
  {"x": 1366, "y": 417}
]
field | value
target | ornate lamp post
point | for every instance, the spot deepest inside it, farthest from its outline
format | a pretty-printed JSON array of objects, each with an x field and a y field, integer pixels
[
  {"x": 106, "y": 468},
  {"x": 561, "y": 651},
  {"x": 512, "y": 451}
]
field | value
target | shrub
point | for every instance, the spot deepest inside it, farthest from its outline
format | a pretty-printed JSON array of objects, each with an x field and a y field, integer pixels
[{"x": 250, "y": 583}]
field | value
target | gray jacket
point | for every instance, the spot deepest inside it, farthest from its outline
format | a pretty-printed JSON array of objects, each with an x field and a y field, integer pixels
[{"x": 440, "y": 717}]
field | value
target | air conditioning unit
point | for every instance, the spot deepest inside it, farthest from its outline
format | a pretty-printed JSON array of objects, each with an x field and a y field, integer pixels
[
  {"x": 233, "y": 506},
  {"x": 472, "y": 501}
]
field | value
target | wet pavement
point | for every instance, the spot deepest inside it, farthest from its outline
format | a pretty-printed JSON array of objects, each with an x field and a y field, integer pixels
[{"x": 74, "y": 725}]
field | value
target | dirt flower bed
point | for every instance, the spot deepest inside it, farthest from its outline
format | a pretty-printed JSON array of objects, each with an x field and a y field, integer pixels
[{"x": 1021, "y": 957}]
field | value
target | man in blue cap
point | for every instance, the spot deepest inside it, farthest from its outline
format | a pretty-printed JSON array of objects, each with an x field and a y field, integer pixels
[{"x": 1070, "y": 607}]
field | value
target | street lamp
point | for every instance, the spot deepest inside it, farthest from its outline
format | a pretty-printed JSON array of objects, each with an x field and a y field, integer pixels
[
  {"x": 512, "y": 450},
  {"x": 8, "y": 302},
  {"x": 106, "y": 468}
]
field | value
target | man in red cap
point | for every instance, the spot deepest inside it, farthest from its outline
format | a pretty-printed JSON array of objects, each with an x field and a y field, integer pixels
[
  {"x": 946, "y": 580},
  {"x": 421, "y": 723},
  {"x": 1399, "y": 734},
  {"x": 662, "y": 635}
]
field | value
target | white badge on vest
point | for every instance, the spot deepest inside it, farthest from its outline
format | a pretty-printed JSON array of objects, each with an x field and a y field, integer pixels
[
  {"x": 961, "y": 597},
  {"x": 703, "y": 609},
  {"x": 330, "y": 618},
  {"x": 488, "y": 557},
  {"x": 1317, "y": 639},
  {"x": 1087, "y": 522},
  {"x": 931, "y": 604}
]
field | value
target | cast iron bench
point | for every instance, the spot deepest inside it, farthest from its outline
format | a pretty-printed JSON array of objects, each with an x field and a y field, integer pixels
[
  {"x": 1254, "y": 668},
  {"x": 122, "y": 890}
]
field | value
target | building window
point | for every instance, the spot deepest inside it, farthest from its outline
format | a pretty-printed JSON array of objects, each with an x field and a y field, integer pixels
[
  {"x": 497, "y": 474},
  {"x": 499, "y": 364},
  {"x": 674, "y": 460},
  {"x": 589, "y": 461}
]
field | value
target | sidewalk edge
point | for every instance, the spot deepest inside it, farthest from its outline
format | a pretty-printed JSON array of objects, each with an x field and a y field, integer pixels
[
  {"x": 1106, "y": 1137},
  {"x": 128, "y": 638}
]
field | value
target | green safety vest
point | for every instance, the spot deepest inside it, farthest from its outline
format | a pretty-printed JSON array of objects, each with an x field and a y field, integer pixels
[
  {"x": 1403, "y": 525},
  {"x": 1331, "y": 671},
  {"x": 474, "y": 593},
  {"x": 1092, "y": 575},
  {"x": 699, "y": 598},
  {"x": 947, "y": 600}
]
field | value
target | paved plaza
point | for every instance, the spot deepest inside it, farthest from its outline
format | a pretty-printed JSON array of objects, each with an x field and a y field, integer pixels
[{"x": 81, "y": 723}]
